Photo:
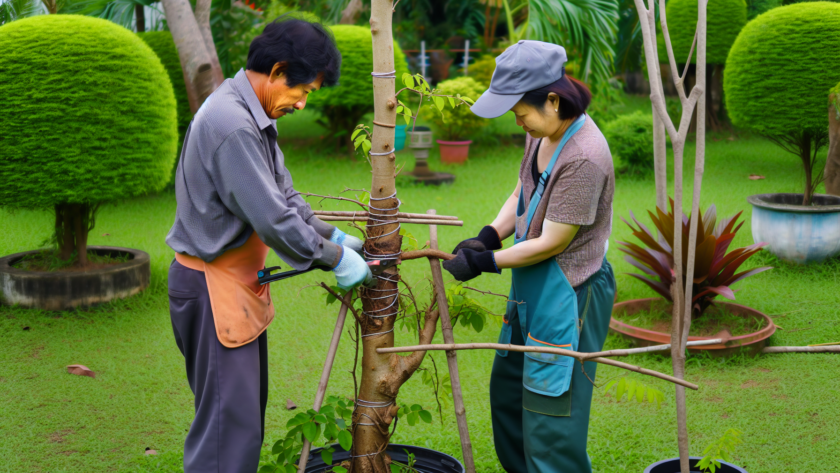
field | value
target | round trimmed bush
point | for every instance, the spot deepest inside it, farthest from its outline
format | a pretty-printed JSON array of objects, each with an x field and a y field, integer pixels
[
  {"x": 458, "y": 123},
  {"x": 631, "y": 139},
  {"x": 482, "y": 69},
  {"x": 779, "y": 73},
  {"x": 164, "y": 47},
  {"x": 87, "y": 115},
  {"x": 724, "y": 20},
  {"x": 344, "y": 105}
]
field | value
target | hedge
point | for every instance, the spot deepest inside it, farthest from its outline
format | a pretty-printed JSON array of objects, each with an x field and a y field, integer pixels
[
  {"x": 724, "y": 20},
  {"x": 87, "y": 113},
  {"x": 781, "y": 68},
  {"x": 162, "y": 44},
  {"x": 459, "y": 123},
  {"x": 631, "y": 139}
]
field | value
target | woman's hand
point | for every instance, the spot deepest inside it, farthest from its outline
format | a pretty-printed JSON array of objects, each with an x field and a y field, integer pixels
[
  {"x": 468, "y": 264},
  {"x": 554, "y": 240},
  {"x": 487, "y": 239}
]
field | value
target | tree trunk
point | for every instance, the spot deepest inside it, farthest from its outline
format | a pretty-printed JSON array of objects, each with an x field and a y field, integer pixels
[
  {"x": 351, "y": 13},
  {"x": 139, "y": 18},
  {"x": 382, "y": 375},
  {"x": 832, "y": 162},
  {"x": 72, "y": 224},
  {"x": 199, "y": 61},
  {"x": 805, "y": 150}
]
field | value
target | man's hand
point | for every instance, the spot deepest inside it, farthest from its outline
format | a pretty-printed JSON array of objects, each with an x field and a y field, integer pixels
[
  {"x": 352, "y": 270},
  {"x": 340, "y": 238}
]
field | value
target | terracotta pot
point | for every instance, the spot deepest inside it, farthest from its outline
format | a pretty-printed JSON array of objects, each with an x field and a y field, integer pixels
[
  {"x": 754, "y": 342},
  {"x": 454, "y": 151}
]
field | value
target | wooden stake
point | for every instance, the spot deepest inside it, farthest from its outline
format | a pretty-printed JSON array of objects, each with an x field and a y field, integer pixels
[
  {"x": 451, "y": 356},
  {"x": 532, "y": 349},
  {"x": 350, "y": 213},
  {"x": 325, "y": 374},
  {"x": 808, "y": 349},
  {"x": 417, "y": 221}
]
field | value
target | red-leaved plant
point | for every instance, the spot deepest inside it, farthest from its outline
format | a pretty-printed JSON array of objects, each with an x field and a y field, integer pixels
[{"x": 714, "y": 268}]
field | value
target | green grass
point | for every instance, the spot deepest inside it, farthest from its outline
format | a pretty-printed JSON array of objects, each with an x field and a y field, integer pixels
[{"x": 50, "y": 421}]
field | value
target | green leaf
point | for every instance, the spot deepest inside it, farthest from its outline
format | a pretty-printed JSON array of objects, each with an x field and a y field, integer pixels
[
  {"x": 640, "y": 394},
  {"x": 477, "y": 323},
  {"x": 320, "y": 418},
  {"x": 416, "y": 408},
  {"x": 366, "y": 146},
  {"x": 609, "y": 385},
  {"x": 267, "y": 469},
  {"x": 291, "y": 469},
  {"x": 451, "y": 102},
  {"x": 395, "y": 468},
  {"x": 468, "y": 100},
  {"x": 426, "y": 416},
  {"x": 412, "y": 418},
  {"x": 439, "y": 103},
  {"x": 310, "y": 431},
  {"x": 326, "y": 455},
  {"x": 345, "y": 439},
  {"x": 620, "y": 389},
  {"x": 339, "y": 469},
  {"x": 355, "y": 133},
  {"x": 408, "y": 80},
  {"x": 631, "y": 389},
  {"x": 407, "y": 119}
]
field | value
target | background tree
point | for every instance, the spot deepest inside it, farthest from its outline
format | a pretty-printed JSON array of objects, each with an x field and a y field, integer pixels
[
  {"x": 86, "y": 117},
  {"x": 726, "y": 19},
  {"x": 343, "y": 107},
  {"x": 779, "y": 72}
]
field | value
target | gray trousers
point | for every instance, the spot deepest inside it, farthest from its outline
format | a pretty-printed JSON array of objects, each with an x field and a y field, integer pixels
[{"x": 230, "y": 384}]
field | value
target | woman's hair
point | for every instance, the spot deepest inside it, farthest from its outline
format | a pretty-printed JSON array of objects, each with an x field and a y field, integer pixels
[
  {"x": 307, "y": 48},
  {"x": 574, "y": 97}
]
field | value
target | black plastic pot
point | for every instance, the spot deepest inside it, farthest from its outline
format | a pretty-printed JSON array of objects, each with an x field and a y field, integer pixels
[
  {"x": 673, "y": 466},
  {"x": 425, "y": 460}
]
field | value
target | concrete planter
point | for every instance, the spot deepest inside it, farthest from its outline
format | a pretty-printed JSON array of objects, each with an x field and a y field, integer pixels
[
  {"x": 797, "y": 233},
  {"x": 63, "y": 290}
]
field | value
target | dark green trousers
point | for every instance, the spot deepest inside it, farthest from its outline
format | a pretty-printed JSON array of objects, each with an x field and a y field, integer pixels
[{"x": 540, "y": 434}]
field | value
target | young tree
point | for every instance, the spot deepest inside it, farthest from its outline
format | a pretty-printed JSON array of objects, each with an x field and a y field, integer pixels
[{"x": 76, "y": 127}]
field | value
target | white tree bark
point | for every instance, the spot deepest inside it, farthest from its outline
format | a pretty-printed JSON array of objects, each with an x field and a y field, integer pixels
[{"x": 682, "y": 296}]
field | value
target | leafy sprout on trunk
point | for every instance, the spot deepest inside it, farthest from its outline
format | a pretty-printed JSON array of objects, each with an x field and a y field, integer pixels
[{"x": 714, "y": 268}]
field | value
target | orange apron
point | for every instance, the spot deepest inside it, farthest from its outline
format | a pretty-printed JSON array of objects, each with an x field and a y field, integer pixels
[{"x": 242, "y": 309}]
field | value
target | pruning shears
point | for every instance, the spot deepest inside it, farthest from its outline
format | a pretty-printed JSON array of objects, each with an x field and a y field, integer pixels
[{"x": 264, "y": 275}]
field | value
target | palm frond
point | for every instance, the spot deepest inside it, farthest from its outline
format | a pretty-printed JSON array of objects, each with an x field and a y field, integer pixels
[
  {"x": 586, "y": 28},
  {"x": 11, "y": 10}
]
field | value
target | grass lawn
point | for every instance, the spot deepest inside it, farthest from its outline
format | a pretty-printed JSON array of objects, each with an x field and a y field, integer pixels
[{"x": 788, "y": 406}]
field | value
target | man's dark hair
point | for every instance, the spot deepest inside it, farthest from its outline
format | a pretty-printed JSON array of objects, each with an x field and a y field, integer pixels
[
  {"x": 307, "y": 47},
  {"x": 574, "y": 97}
]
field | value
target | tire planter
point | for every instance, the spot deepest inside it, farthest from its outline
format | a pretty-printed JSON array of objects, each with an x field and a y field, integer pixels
[
  {"x": 673, "y": 466},
  {"x": 425, "y": 460},
  {"x": 753, "y": 342},
  {"x": 794, "y": 232},
  {"x": 63, "y": 290},
  {"x": 454, "y": 152}
]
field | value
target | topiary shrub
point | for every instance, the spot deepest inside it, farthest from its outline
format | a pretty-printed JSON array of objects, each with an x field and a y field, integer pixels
[
  {"x": 482, "y": 69},
  {"x": 164, "y": 47},
  {"x": 631, "y": 140},
  {"x": 459, "y": 123},
  {"x": 87, "y": 115},
  {"x": 724, "y": 20},
  {"x": 342, "y": 107},
  {"x": 778, "y": 73}
]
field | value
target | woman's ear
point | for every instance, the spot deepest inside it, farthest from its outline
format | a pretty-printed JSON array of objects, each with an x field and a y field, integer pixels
[{"x": 554, "y": 101}]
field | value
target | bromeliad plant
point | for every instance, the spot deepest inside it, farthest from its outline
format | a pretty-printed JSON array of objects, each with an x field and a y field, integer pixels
[{"x": 714, "y": 268}]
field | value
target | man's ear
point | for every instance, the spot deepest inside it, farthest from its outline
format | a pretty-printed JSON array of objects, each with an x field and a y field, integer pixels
[{"x": 277, "y": 71}]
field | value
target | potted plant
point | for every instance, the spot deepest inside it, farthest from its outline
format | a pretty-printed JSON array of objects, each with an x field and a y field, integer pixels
[
  {"x": 456, "y": 127},
  {"x": 647, "y": 321},
  {"x": 115, "y": 139},
  {"x": 785, "y": 100}
]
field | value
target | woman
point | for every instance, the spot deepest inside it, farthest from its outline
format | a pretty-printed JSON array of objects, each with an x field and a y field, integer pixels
[{"x": 560, "y": 214}]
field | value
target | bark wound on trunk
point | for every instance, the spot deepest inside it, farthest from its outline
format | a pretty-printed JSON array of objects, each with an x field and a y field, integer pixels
[{"x": 382, "y": 375}]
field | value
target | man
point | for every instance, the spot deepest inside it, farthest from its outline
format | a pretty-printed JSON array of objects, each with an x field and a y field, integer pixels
[{"x": 235, "y": 201}]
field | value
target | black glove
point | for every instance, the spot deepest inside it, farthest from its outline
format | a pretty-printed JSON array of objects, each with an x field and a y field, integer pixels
[
  {"x": 487, "y": 239},
  {"x": 468, "y": 264}
]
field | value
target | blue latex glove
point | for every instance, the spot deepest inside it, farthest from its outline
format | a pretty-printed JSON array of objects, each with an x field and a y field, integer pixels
[
  {"x": 340, "y": 238},
  {"x": 352, "y": 270}
]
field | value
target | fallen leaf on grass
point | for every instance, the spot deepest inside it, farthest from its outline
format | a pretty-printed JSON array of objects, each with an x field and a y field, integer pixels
[
  {"x": 106, "y": 234},
  {"x": 755, "y": 177},
  {"x": 149, "y": 451},
  {"x": 290, "y": 406},
  {"x": 80, "y": 370}
]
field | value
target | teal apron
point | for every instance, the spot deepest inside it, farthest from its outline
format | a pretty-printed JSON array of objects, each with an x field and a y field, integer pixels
[{"x": 542, "y": 427}]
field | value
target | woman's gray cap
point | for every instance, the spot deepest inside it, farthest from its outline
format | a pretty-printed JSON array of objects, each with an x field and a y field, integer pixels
[{"x": 523, "y": 67}]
